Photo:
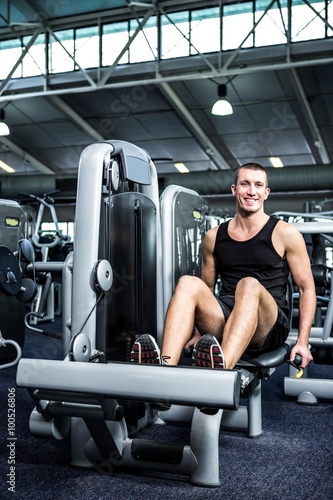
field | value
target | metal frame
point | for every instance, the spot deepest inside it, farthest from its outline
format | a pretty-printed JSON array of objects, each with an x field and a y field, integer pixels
[
  {"x": 80, "y": 393},
  {"x": 308, "y": 390},
  {"x": 210, "y": 67}
]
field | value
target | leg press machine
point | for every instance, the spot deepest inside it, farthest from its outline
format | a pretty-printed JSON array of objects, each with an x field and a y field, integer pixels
[{"x": 130, "y": 248}]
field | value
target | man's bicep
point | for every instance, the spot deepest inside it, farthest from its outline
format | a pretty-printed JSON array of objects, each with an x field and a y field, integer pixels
[
  {"x": 208, "y": 271},
  {"x": 299, "y": 261}
]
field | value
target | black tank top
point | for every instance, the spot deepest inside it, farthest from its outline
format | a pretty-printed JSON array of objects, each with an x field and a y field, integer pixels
[{"x": 255, "y": 257}]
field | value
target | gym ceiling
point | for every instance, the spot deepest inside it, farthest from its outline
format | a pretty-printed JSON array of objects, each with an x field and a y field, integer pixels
[{"x": 281, "y": 96}]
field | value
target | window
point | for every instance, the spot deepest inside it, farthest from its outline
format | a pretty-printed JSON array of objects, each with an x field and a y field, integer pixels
[
  {"x": 330, "y": 17},
  {"x": 144, "y": 46},
  {"x": 271, "y": 28},
  {"x": 10, "y": 51},
  {"x": 60, "y": 52},
  {"x": 115, "y": 37},
  {"x": 34, "y": 61},
  {"x": 66, "y": 229},
  {"x": 205, "y": 31},
  {"x": 87, "y": 47},
  {"x": 182, "y": 34},
  {"x": 237, "y": 23},
  {"x": 175, "y": 35},
  {"x": 306, "y": 24}
]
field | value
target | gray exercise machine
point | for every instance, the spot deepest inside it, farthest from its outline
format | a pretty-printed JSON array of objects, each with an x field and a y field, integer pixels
[
  {"x": 130, "y": 247},
  {"x": 15, "y": 287},
  {"x": 318, "y": 232},
  {"x": 46, "y": 243}
]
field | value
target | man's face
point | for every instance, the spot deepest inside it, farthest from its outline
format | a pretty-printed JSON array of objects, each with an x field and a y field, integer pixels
[{"x": 251, "y": 190}]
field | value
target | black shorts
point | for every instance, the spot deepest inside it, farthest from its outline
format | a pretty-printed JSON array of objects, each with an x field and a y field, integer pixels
[{"x": 276, "y": 337}]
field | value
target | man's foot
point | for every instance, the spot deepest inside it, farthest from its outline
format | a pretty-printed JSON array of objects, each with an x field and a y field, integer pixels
[
  {"x": 207, "y": 353},
  {"x": 146, "y": 351}
]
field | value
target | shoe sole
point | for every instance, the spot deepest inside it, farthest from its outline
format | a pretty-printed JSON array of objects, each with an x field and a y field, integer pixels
[
  {"x": 207, "y": 353},
  {"x": 161, "y": 406},
  {"x": 145, "y": 351}
]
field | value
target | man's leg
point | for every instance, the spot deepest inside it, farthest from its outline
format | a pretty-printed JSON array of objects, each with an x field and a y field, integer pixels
[
  {"x": 192, "y": 304},
  {"x": 253, "y": 316}
]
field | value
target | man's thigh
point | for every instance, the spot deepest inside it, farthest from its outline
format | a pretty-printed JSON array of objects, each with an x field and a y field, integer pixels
[{"x": 211, "y": 316}]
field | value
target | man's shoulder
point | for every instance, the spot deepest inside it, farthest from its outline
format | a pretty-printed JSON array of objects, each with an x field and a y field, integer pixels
[
  {"x": 211, "y": 233},
  {"x": 286, "y": 231},
  {"x": 282, "y": 225},
  {"x": 210, "y": 236}
]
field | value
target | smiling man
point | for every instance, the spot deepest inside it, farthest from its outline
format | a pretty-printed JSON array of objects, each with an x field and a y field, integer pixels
[{"x": 252, "y": 254}]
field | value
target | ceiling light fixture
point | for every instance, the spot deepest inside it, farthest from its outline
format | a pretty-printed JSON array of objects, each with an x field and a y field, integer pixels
[
  {"x": 222, "y": 107},
  {"x": 4, "y": 129},
  {"x": 276, "y": 162},
  {"x": 6, "y": 168},
  {"x": 181, "y": 168}
]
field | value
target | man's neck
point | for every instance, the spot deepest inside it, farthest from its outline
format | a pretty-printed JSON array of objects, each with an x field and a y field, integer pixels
[{"x": 249, "y": 222}]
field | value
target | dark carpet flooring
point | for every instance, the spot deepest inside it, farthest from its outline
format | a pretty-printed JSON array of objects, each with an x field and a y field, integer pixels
[{"x": 292, "y": 460}]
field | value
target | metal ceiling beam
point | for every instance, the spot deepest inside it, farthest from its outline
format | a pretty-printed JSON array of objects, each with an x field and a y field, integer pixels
[
  {"x": 151, "y": 78},
  {"x": 48, "y": 9},
  {"x": 76, "y": 118},
  {"x": 189, "y": 41},
  {"x": 27, "y": 10},
  {"x": 309, "y": 116},
  {"x": 41, "y": 167},
  {"x": 25, "y": 51},
  {"x": 110, "y": 70},
  {"x": 318, "y": 14},
  {"x": 83, "y": 71},
  {"x": 236, "y": 51},
  {"x": 212, "y": 152}
]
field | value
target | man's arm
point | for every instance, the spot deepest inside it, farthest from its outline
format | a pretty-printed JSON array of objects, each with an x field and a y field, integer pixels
[
  {"x": 208, "y": 270},
  {"x": 300, "y": 267}
]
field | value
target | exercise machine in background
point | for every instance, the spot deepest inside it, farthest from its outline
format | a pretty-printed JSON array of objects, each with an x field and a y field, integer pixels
[
  {"x": 317, "y": 230},
  {"x": 16, "y": 288},
  {"x": 130, "y": 248},
  {"x": 50, "y": 246}
]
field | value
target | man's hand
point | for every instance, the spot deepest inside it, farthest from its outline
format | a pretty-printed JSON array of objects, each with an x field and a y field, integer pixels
[{"x": 304, "y": 352}]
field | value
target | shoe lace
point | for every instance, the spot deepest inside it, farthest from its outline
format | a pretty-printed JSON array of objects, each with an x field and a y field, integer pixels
[{"x": 165, "y": 359}]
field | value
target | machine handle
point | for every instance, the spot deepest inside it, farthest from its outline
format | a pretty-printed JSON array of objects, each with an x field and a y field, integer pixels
[{"x": 296, "y": 363}]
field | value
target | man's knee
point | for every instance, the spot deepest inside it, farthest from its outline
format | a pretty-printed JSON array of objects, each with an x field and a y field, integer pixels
[
  {"x": 188, "y": 285},
  {"x": 248, "y": 285}
]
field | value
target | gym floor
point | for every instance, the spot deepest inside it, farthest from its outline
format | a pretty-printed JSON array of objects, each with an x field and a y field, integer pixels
[{"x": 293, "y": 458}]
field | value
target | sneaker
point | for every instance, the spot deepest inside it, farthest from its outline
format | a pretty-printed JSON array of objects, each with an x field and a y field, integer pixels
[
  {"x": 146, "y": 351},
  {"x": 207, "y": 353}
]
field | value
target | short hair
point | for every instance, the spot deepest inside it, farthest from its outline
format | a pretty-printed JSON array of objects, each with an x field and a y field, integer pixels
[{"x": 250, "y": 166}]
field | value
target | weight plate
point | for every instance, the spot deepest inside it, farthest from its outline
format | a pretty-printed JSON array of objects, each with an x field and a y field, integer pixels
[
  {"x": 27, "y": 250},
  {"x": 28, "y": 290}
]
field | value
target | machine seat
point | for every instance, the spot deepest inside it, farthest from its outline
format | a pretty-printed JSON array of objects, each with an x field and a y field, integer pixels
[{"x": 270, "y": 359}]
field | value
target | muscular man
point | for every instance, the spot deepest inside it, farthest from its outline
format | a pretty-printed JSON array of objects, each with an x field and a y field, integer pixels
[{"x": 253, "y": 254}]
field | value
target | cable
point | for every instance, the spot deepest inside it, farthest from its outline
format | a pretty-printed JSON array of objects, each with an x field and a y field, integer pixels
[{"x": 3, "y": 343}]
